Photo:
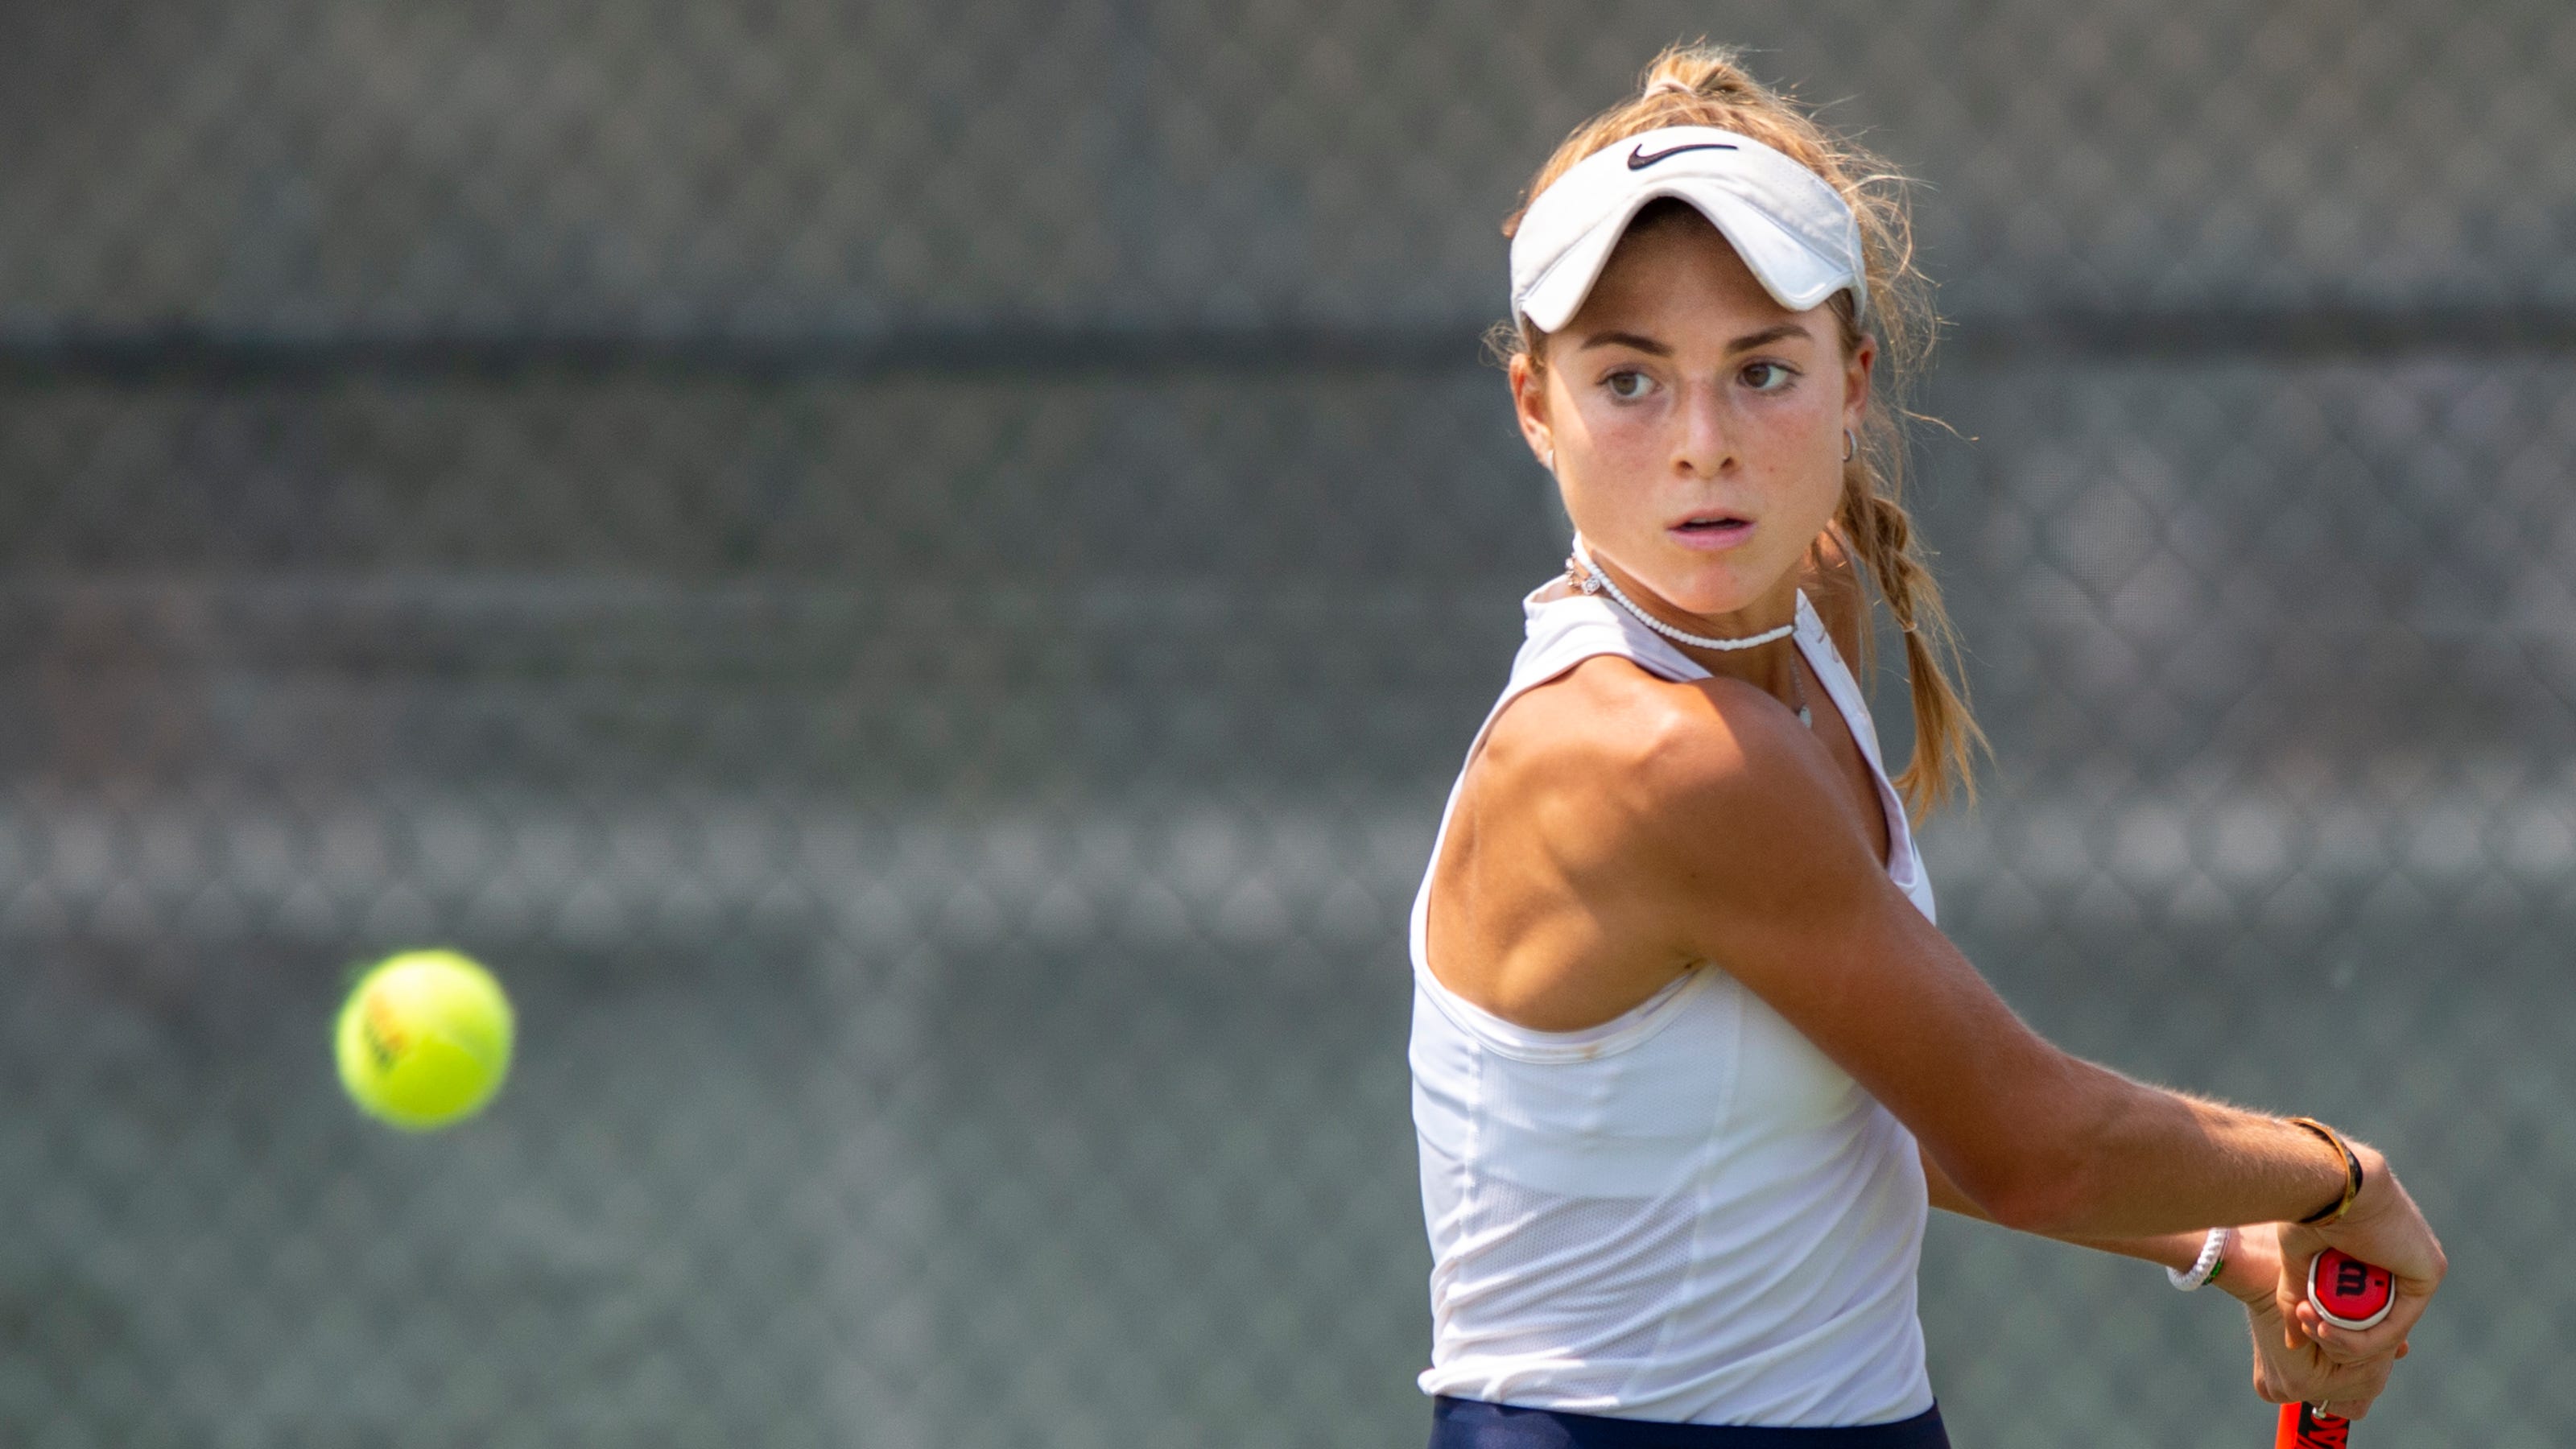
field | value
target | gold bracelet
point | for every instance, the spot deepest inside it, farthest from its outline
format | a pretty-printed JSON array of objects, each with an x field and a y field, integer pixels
[{"x": 2351, "y": 1169}]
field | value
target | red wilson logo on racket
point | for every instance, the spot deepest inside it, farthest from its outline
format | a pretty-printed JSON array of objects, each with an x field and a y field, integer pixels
[{"x": 2348, "y": 1292}]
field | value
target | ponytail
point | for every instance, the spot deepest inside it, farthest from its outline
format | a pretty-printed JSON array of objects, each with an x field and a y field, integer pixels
[{"x": 1947, "y": 739}]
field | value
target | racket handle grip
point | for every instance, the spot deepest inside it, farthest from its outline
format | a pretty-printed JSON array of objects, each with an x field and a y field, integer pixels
[{"x": 2348, "y": 1293}]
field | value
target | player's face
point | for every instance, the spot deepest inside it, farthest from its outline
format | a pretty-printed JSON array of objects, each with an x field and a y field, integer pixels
[{"x": 1696, "y": 424}]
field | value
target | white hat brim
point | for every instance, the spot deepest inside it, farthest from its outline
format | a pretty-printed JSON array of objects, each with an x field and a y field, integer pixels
[{"x": 1790, "y": 270}]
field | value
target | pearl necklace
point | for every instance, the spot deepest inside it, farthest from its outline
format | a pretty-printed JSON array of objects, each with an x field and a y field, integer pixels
[{"x": 1586, "y": 575}]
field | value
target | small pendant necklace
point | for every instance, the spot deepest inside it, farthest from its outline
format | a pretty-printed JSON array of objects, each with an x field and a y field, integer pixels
[{"x": 1586, "y": 575}]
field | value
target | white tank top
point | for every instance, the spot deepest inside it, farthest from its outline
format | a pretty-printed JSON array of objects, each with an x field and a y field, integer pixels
[{"x": 1687, "y": 1213}]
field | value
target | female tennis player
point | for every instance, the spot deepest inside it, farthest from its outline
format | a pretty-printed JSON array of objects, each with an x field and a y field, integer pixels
[{"x": 1690, "y": 1058}]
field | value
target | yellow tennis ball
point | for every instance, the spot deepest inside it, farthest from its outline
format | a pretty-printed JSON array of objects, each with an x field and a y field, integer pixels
[{"x": 424, "y": 1039}]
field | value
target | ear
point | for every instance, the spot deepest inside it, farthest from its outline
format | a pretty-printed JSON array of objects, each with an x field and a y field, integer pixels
[
  {"x": 1529, "y": 404},
  {"x": 1856, "y": 381}
]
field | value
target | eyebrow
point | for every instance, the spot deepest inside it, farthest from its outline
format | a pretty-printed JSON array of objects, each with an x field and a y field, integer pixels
[{"x": 1653, "y": 348}]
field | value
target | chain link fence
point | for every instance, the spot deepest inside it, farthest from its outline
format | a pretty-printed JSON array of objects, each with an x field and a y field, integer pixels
[{"x": 912, "y": 577}]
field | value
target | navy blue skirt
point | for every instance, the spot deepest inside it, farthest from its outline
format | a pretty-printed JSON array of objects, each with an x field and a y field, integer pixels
[{"x": 1472, "y": 1424}]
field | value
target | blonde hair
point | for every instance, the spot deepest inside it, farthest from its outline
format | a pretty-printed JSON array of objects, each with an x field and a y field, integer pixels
[{"x": 1705, "y": 85}]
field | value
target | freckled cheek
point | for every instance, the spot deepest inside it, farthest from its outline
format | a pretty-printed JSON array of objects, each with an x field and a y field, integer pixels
[
  {"x": 1632, "y": 453},
  {"x": 1622, "y": 438},
  {"x": 1776, "y": 433}
]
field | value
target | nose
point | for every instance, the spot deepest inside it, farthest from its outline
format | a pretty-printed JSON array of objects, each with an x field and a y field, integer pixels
[{"x": 1703, "y": 446}]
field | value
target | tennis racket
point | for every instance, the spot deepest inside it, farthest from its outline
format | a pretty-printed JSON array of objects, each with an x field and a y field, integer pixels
[{"x": 2347, "y": 1293}]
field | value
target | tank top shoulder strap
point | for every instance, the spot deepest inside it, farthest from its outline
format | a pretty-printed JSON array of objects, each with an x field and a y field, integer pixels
[
  {"x": 1904, "y": 860},
  {"x": 1563, "y": 632}
]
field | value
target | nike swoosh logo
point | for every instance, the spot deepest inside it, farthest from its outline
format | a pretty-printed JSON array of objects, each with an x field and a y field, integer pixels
[{"x": 1638, "y": 160}]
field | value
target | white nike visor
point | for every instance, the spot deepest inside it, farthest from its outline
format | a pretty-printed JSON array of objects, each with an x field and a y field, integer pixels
[{"x": 1788, "y": 224}]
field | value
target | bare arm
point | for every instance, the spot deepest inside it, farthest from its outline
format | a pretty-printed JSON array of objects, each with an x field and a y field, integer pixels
[
  {"x": 2177, "y": 1251},
  {"x": 1736, "y": 846},
  {"x": 2286, "y": 1366},
  {"x": 1751, "y": 858}
]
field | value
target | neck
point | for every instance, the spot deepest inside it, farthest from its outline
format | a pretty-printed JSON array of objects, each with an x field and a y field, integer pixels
[
  {"x": 1775, "y": 609},
  {"x": 1754, "y": 643}
]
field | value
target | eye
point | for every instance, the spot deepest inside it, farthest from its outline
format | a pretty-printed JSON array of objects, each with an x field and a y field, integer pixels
[
  {"x": 1628, "y": 384},
  {"x": 1767, "y": 376}
]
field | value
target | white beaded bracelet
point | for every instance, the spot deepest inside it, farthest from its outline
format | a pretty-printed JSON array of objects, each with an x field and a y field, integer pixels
[{"x": 2213, "y": 1255}]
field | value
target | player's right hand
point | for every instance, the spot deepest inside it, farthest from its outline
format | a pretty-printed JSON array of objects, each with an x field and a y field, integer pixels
[
  {"x": 2383, "y": 1227},
  {"x": 2285, "y": 1372}
]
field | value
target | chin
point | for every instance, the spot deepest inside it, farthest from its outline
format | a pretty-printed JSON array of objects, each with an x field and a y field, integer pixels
[{"x": 1707, "y": 590}]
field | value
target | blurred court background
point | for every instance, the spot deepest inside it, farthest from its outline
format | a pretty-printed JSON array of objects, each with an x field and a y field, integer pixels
[{"x": 912, "y": 576}]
